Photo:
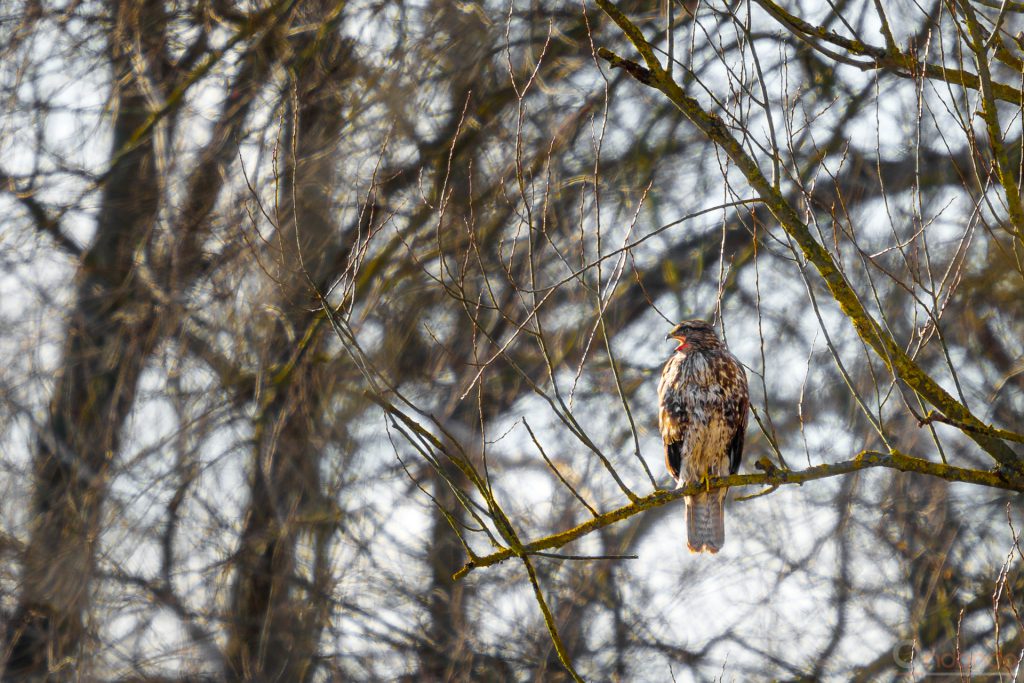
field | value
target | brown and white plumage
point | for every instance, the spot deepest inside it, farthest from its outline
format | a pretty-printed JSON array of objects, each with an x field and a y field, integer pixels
[{"x": 704, "y": 401}]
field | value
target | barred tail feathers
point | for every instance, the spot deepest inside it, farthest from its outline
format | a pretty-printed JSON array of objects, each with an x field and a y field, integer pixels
[{"x": 705, "y": 522}]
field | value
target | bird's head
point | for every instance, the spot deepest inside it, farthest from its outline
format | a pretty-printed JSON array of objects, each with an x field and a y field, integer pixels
[{"x": 697, "y": 334}]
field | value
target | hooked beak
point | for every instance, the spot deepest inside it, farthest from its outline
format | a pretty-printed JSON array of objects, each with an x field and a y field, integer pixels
[{"x": 668, "y": 336}]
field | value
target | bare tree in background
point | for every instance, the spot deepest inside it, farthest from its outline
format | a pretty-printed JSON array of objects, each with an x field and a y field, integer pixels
[{"x": 333, "y": 330}]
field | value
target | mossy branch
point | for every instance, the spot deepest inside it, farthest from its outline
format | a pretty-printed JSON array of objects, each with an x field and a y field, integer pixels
[
  {"x": 773, "y": 478},
  {"x": 898, "y": 62},
  {"x": 1005, "y": 171},
  {"x": 898, "y": 362},
  {"x": 549, "y": 621}
]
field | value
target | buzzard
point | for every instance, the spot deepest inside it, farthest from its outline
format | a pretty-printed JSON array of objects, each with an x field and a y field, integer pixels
[{"x": 703, "y": 401}]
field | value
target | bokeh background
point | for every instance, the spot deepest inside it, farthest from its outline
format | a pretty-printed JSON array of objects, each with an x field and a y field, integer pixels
[{"x": 305, "y": 304}]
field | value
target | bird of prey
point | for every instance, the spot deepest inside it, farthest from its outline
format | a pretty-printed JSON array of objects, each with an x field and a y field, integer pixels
[{"x": 704, "y": 401}]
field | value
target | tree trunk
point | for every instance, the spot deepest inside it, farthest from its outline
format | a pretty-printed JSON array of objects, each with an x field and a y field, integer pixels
[
  {"x": 279, "y": 601},
  {"x": 111, "y": 332}
]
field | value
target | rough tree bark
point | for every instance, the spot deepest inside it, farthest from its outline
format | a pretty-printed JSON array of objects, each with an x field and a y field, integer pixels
[
  {"x": 117, "y": 321},
  {"x": 111, "y": 332},
  {"x": 279, "y": 603}
]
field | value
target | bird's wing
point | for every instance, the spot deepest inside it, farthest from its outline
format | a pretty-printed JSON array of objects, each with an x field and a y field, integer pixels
[
  {"x": 736, "y": 448},
  {"x": 736, "y": 406},
  {"x": 673, "y": 420},
  {"x": 674, "y": 458}
]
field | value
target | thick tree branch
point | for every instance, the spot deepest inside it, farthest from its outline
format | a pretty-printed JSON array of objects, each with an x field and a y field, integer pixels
[
  {"x": 1005, "y": 171},
  {"x": 898, "y": 62},
  {"x": 773, "y": 478},
  {"x": 891, "y": 353}
]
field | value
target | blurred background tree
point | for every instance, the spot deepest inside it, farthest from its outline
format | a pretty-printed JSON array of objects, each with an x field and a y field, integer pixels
[{"x": 332, "y": 331}]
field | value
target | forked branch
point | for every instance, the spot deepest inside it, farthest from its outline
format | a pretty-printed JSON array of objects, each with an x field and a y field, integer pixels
[{"x": 896, "y": 359}]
